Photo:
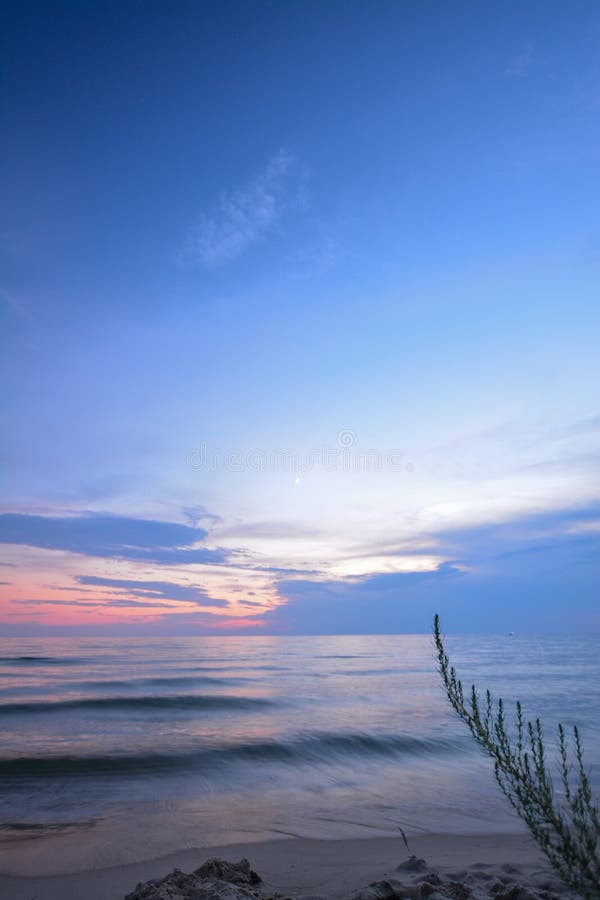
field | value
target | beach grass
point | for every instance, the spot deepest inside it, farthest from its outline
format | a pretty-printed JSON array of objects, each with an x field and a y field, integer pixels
[{"x": 567, "y": 827}]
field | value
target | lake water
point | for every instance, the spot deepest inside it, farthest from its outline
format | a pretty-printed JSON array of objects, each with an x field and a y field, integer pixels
[{"x": 138, "y": 747}]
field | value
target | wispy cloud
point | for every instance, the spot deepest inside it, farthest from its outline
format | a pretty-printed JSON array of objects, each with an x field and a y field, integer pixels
[
  {"x": 118, "y": 603},
  {"x": 284, "y": 570},
  {"x": 272, "y": 530},
  {"x": 165, "y": 590},
  {"x": 199, "y": 513},
  {"x": 244, "y": 216},
  {"x": 589, "y": 425}
]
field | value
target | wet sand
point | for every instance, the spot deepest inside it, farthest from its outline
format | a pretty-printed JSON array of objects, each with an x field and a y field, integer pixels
[{"x": 485, "y": 865}]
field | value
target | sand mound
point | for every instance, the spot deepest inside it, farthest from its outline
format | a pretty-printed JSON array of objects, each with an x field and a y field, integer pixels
[{"x": 218, "y": 879}]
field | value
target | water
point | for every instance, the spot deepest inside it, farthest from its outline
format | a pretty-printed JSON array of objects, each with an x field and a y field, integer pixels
[{"x": 130, "y": 748}]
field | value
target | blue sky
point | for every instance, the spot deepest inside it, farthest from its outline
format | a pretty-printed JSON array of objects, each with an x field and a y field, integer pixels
[{"x": 300, "y": 316}]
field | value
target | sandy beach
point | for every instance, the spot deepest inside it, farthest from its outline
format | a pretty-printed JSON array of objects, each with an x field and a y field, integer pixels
[
  {"x": 305, "y": 756},
  {"x": 501, "y": 866}
]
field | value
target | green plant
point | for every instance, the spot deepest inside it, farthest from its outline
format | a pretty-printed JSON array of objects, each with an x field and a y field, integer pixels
[{"x": 566, "y": 830}]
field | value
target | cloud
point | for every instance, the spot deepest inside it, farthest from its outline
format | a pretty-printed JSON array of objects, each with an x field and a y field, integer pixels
[
  {"x": 529, "y": 534},
  {"x": 244, "y": 216},
  {"x": 282, "y": 570},
  {"x": 538, "y": 573},
  {"x": 165, "y": 590},
  {"x": 520, "y": 66},
  {"x": 111, "y": 537},
  {"x": 270, "y": 530},
  {"x": 62, "y": 587},
  {"x": 590, "y": 425},
  {"x": 199, "y": 513},
  {"x": 386, "y": 603},
  {"x": 104, "y": 602}
]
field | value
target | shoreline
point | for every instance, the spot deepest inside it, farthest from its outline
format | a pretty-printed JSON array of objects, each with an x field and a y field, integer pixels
[{"x": 306, "y": 867}]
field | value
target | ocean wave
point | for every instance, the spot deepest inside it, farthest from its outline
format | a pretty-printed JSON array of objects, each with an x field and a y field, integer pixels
[
  {"x": 393, "y": 671},
  {"x": 42, "y": 660},
  {"x": 239, "y": 666},
  {"x": 339, "y": 656},
  {"x": 11, "y": 831},
  {"x": 305, "y": 748},
  {"x": 170, "y": 702},
  {"x": 172, "y": 680}
]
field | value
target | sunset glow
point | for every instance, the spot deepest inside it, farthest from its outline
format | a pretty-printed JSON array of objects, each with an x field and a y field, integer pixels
[{"x": 292, "y": 350}]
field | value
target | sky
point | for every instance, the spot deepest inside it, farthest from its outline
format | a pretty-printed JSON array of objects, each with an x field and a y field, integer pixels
[{"x": 300, "y": 317}]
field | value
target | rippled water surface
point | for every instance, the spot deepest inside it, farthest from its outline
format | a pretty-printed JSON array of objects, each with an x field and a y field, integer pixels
[{"x": 208, "y": 740}]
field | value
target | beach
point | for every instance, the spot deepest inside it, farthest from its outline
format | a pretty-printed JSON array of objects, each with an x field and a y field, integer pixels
[
  {"x": 485, "y": 865},
  {"x": 300, "y": 521},
  {"x": 309, "y": 756}
]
